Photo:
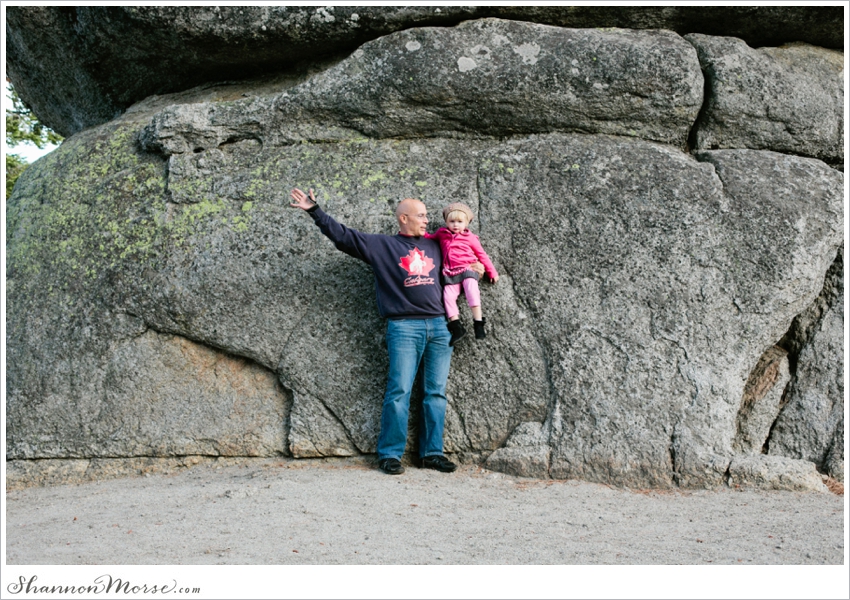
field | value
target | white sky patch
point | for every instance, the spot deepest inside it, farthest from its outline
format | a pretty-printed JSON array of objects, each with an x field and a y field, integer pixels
[{"x": 28, "y": 151}]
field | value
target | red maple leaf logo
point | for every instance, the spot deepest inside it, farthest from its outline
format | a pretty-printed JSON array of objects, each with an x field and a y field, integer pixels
[{"x": 416, "y": 263}]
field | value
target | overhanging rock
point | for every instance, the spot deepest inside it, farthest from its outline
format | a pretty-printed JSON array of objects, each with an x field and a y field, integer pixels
[
  {"x": 79, "y": 66},
  {"x": 490, "y": 78}
]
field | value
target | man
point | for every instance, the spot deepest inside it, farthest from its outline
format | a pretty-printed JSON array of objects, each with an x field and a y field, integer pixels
[{"x": 409, "y": 295}]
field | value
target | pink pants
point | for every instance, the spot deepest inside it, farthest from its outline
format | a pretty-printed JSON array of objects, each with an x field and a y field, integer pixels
[{"x": 452, "y": 291}]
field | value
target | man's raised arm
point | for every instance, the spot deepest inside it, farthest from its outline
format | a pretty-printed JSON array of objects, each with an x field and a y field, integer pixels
[{"x": 352, "y": 242}]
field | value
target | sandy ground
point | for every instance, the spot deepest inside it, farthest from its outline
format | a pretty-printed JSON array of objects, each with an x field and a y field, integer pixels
[{"x": 345, "y": 512}]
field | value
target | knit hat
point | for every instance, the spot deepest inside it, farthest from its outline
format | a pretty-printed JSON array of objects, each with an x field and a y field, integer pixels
[{"x": 458, "y": 206}]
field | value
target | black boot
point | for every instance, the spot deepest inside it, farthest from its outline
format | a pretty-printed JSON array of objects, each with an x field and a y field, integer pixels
[
  {"x": 479, "y": 329},
  {"x": 457, "y": 331}
]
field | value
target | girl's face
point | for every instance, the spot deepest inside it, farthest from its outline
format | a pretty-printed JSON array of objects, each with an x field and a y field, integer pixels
[{"x": 457, "y": 223}]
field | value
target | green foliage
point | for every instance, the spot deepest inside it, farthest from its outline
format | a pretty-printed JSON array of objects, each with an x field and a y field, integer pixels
[
  {"x": 15, "y": 165},
  {"x": 22, "y": 127}
]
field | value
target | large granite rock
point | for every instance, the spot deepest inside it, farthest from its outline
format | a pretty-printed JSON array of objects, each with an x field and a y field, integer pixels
[
  {"x": 499, "y": 78},
  {"x": 85, "y": 378},
  {"x": 295, "y": 304},
  {"x": 79, "y": 66},
  {"x": 811, "y": 425},
  {"x": 487, "y": 77},
  {"x": 154, "y": 395},
  {"x": 639, "y": 264},
  {"x": 163, "y": 299},
  {"x": 788, "y": 99},
  {"x": 617, "y": 240}
]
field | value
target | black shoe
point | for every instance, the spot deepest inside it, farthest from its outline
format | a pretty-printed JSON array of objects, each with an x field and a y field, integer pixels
[
  {"x": 391, "y": 466},
  {"x": 457, "y": 331},
  {"x": 479, "y": 329},
  {"x": 438, "y": 463}
]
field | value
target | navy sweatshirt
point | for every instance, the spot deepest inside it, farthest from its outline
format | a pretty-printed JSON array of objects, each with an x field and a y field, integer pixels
[{"x": 407, "y": 269}]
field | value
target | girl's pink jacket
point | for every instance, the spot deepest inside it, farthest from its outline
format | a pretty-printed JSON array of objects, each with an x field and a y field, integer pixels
[{"x": 461, "y": 250}]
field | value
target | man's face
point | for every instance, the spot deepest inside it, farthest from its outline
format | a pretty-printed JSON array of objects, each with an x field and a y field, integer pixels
[{"x": 413, "y": 218}]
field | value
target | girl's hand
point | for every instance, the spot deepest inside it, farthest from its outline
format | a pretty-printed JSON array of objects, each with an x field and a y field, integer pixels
[
  {"x": 494, "y": 279},
  {"x": 301, "y": 200}
]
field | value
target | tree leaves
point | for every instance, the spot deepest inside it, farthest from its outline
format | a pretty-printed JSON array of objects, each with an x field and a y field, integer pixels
[{"x": 22, "y": 126}]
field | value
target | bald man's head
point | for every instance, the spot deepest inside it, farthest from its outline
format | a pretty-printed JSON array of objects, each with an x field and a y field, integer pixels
[{"x": 412, "y": 217}]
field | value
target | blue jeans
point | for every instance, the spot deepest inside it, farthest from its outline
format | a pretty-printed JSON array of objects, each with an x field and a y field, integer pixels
[{"x": 411, "y": 341}]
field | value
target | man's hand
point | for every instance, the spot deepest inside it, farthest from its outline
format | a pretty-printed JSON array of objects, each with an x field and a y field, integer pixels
[
  {"x": 478, "y": 268},
  {"x": 301, "y": 199}
]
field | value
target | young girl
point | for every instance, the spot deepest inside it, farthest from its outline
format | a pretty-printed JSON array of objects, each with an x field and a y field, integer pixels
[{"x": 461, "y": 248}]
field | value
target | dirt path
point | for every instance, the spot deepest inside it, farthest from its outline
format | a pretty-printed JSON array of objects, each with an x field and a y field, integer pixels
[{"x": 267, "y": 512}]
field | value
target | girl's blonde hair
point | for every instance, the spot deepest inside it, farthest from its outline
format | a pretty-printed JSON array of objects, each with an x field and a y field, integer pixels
[
  {"x": 458, "y": 206},
  {"x": 457, "y": 213}
]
